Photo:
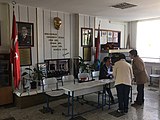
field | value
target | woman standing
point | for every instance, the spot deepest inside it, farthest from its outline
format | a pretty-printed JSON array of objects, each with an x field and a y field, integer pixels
[{"x": 123, "y": 74}]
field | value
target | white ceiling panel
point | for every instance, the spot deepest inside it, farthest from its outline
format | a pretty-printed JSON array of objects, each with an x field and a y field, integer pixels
[{"x": 145, "y": 9}]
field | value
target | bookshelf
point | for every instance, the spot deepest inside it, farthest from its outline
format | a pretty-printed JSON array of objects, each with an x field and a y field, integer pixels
[{"x": 6, "y": 93}]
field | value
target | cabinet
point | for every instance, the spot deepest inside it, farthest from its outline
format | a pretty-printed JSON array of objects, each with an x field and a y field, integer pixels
[{"x": 6, "y": 93}]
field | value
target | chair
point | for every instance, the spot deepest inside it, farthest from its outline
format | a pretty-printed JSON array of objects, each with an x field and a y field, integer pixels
[
  {"x": 50, "y": 88},
  {"x": 68, "y": 79},
  {"x": 155, "y": 74},
  {"x": 95, "y": 75},
  {"x": 82, "y": 77}
]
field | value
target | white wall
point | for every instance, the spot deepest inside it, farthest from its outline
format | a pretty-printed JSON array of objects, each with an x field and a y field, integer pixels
[
  {"x": 62, "y": 36},
  {"x": 132, "y": 31},
  {"x": 87, "y": 21},
  {"x": 26, "y": 14},
  {"x": 4, "y": 29},
  {"x": 43, "y": 23},
  {"x": 107, "y": 24},
  {"x": 83, "y": 21},
  {"x": 70, "y": 31},
  {"x": 43, "y": 29}
]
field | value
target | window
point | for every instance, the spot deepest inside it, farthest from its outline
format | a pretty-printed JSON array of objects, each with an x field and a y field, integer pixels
[{"x": 148, "y": 39}]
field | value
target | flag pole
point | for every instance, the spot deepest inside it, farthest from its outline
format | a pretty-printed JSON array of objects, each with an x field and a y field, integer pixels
[
  {"x": 97, "y": 54},
  {"x": 13, "y": 3},
  {"x": 11, "y": 50},
  {"x": 14, "y": 53}
]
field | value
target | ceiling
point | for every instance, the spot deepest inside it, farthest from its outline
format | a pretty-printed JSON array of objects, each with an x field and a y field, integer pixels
[{"x": 145, "y": 9}]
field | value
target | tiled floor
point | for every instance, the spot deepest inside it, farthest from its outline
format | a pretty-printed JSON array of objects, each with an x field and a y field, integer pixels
[{"x": 149, "y": 111}]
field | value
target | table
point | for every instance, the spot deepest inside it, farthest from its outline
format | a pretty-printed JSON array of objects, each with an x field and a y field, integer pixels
[
  {"x": 108, "y": 84},
  {"x": 79, "y": 89}
]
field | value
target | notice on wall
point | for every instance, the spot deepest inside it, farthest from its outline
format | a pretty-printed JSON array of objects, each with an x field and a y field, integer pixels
[
  {"x": 25, "y": 56},
  {"x": 55, "y": 41}
]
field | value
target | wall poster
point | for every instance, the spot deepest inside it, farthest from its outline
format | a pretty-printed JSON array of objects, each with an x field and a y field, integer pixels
[
  {"x": 25, "y": 56},
  {"x": 87, "y": 53},
  {"x": 86, "y": 36}
]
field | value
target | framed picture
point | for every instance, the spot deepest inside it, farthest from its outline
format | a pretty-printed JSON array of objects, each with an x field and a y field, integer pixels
[
  {"x": 110, "y": 36},
  {"x": 25, "y": 34},
  {"x": 86, "y": 36},
  {"x": 115, "y": 37},
  {"x": 113, "y": 40},
  {"x": 87, "y": 53},
  {"x": 42, "y": 67},
  {"x": 25, "y": 56},
  {"x": 103, "y": 38}
]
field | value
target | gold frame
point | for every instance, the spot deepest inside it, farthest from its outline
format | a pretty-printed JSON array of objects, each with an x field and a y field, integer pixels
[
  {"x": 25, "y": 56},
  {"x": 87, "y": 53}
]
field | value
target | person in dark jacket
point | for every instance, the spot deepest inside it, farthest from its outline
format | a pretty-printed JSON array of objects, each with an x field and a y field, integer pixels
[{"x": 105, "y": 70}]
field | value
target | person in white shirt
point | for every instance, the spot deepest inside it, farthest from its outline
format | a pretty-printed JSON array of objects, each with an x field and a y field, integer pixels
[{"x": 123, "y": 74}]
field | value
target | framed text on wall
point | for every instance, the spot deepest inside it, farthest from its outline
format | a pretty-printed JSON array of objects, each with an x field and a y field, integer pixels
[
  {"x": 25, "y": 56},
  {"x": 87, "y": 53},
  {"x": 86, "y": 36}
]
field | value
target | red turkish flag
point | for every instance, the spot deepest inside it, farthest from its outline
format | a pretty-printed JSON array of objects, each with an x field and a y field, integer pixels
[
  {"x": 14, "y": 54},
  {"x": 98, "y": 44}
]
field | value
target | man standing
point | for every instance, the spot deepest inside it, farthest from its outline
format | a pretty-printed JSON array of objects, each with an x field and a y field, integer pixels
[
  {"x": 123, "y": 74},
  {"x": 140, "y": 76}
]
